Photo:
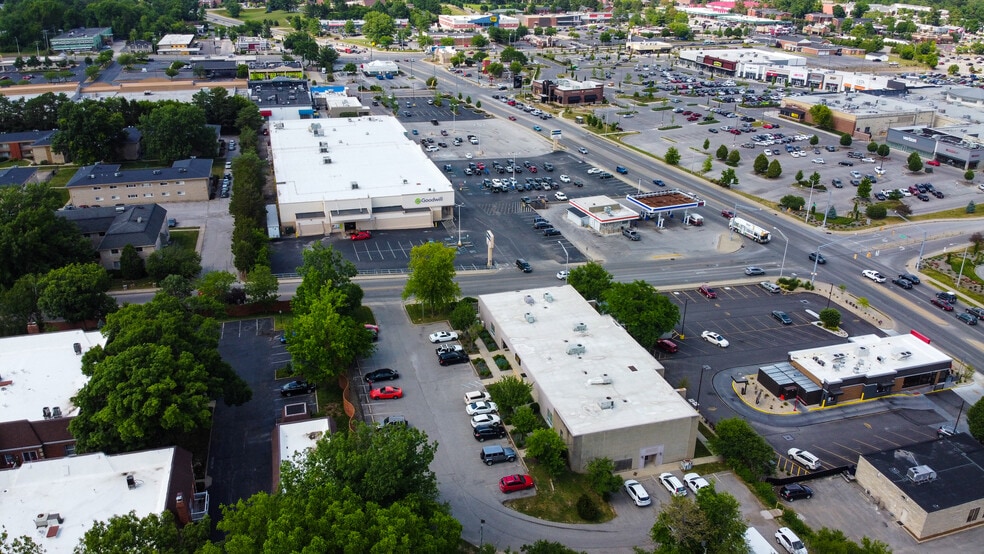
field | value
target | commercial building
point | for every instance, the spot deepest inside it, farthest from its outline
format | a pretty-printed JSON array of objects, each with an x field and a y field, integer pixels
[
  {"x": 83, "y": 40},
  {"x": 567, "y": 92},
  {"x": 296, "y": 438},
  {"x": 865, "y": 116},
  {"x": 56, "y": 501},
  {"x": 568, "y": 19},
  {"x": 602, "y": 392},
  {"x": 109, "y": 184},
  {"x": 178, "y": 45},
  {"x": 282, "y": 98},
  {"x": 378, "y": 68},
  {"x": 661, "y": 204},
  {"x": 959, "y": 146},
  {"x": 602, "y": 214},
  {"x": 932, "y": 489},
  {"x": 867, "y": 367},
  {"x": 334, "y": 101},
  {"x": 475, "y": 22},
  {"x": 276, "y": 71},
  {"x": 330, "y": 179},
  {"x": 111, "y": 228}
]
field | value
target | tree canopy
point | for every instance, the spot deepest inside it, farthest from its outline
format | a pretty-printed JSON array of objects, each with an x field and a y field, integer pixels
[
  {"x": 175, "y": 131},
  {"x": 322, "y": 266},
  {"x": 159, "y": 533},
  {"x": 432, "y": 273},
  {"x": 152, "y": 383},
  {"x": 88, "y": 132},
  {"x": 742, "y": 447},
  {"x": 324, "y": 339},
  {"x": 590, "y": 280},
  {"x": 77, "y": 292},
  {"x": 713, "y": 524},
  {"x": 645, "y": 313}
]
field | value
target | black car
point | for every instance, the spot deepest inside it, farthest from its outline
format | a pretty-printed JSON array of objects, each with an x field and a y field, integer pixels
[
  {"x": 541, "y": 224},
  {"x": 969, "y": 319},
  {"x": 551, "y": 232},
  {"x": 910, "y": 277},
  {"x": 795, "y": 491},
  {"x": 938, "y": 194},
  {"x": 976, "y": 312},
  {"x": 782, "y": 317},
  {"x": 296, "y": 387},
  {"x": 451, "y": 358},
  {"x": 846, "y": 163},
  {"x": 483, "y": 432},
  {"x": 815, "y": 256},
  {"x": 385, "y": 374},
  {"x": 548, "y": 166},
  {"x": 904, "y": 283}
]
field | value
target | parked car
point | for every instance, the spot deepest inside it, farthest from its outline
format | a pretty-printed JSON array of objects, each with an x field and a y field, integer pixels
[
  {"x": 443, "y": 336},
  {"x": 782, "y": 317},
  {"x": 477, "y": 396},
  {"x": 485, "y": 432},
  {"x": 707, "y": 291},
  {"x": 949, "y": 297},
  {"x": 771, "y": 287},
  {"x": 384, "y": 374},
  {"x": 637, "y": 493},
  {"x": 672, "y": 484},
  {"x": 910, "y": 277},
  {"x": 695, "y": 482},
  {"x": 495, "y": 454},
  {"x": 976, "y": 312},
  {"x": 482, "y": 407},
  {"x": 513, "y": 483},
  {"x": 714, "y": 338},
  {"x": 562, "y": 274},
  {"x": 452, "y": 357},
  {"x": 933, "y": 163},
  {"x": 667, "y": 345},
  {"x": 296, "y": 387},
  {"x": 795, "y": 491},
  {"x": 789, "y": 541},
  {"x": 804, "y": 458},
  {"x": 386, "y": 393},
  {"x": 632, "y": 234},
  {"x": 485, "y": 419}
]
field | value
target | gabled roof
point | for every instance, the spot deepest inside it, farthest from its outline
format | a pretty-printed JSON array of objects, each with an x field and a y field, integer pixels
[
  {"x": 26, "y": 136},
  {"x": 112, "y": 174},
  {"x": 24, "y": 435},
  {"x": 16, "y": 175},
  {"x": 139, "y": 224}
]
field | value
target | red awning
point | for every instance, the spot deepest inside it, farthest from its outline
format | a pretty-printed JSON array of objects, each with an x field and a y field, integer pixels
[{"x": 266, "y": 113}]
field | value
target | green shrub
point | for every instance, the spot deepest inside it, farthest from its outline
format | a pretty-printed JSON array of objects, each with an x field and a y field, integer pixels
[{"x": 587, "y": 508}]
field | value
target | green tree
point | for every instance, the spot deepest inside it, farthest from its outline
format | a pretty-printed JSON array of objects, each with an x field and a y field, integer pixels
[
  {"x": 76, "y": 292},
  {"x": 761, "y": 164},
  {"x": 544, "y": 546},
  {"x": 590, "y": 280},
  {"x": 883, "y": 151},
  {"x": 216, "y": 285},
  {"x": 175, "y": 131},
  {"x": 713, "y": 524},
  {"x": 707, "y": 165},
  {"x": 734, "y": 157},
  {"x": 261, "y": 286},
  {"x": 19, "y": 545},
  {"x": 721, "y": 153},
  {"x": 88, "y": 131},
  {"x": 971, "y": 207},
  {"x": 19, "y": 306},
  {"x": 153, "y": 383},
  {"x": 799, "y": 176},
  {"x": 707, "y": 143},
  {"x": 830, "y": 317},
  {"x": 834, "y": 541},
  {"x": 672, "y": 156},
  {"x": 728, "y": 178},
  {"x": 131, "y": 264},
  {"x": 969, "y": 175},
  {"x": 864, "y": 189},
  {"x": 876, "y": 211},
  {"x": 377, "y": 26},
  {"x": 34, "y": 239},
  {"x": 822, "y": 116},
  {"x": 814, "y": 140},
  {"x": 774, "y": 171},
  {"x": 325, "y": 341},
  {"x": 914, "y": 162},
  {"x": 510, "y": 393},
  {"x": 370, "y": 490},
  {"x": 479, "y": 41},
  {"x": 323, "y": 266},
  {"x": 173, "y": 260},
  {"x": 742, "y": 447},
  {"x": 846, "y": 140},
  {"x": 524, "y": 421},
  {"x": 976, "y": 240},
  {"x": 464, "y": 315},
  {"x": 176, "y": 286},
  {"x": 644, "y": 313},
  {"x": 872, "y": 147},
  {"x": 127, "y": 533},
  {"x": 792, "y": 202},
  {"x": 432, "y": 273},
  {"x": 548, "y": 448},
  {"x": 601, "y": 477},
  {"x": 975, "y": 420}
]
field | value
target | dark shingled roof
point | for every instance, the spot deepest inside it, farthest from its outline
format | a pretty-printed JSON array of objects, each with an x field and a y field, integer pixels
[
  {"x": 16, "y": 175},
  {"x": 958, "y": 462},
  {"x": 112, "y": 174},
  {"x": 139, "y": 224}
]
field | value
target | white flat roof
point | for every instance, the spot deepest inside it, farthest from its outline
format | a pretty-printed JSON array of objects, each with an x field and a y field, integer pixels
[
  {"x": 82, "y": 490},
  {"x": 44, "y": 370},
  {"x": 370, "y": 151},
  {"x": 175, "y": 40},
  {"x": 594, "y": 207},
  {"x": 639, "y": 393},
  {"x": 301, "y": 436},
  {"x": 868, "y": 355}
]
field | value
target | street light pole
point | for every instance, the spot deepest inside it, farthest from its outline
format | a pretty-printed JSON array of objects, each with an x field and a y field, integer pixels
[
  {"x": 782, "y": 266},
  {"x": 921, "y": 245},
  {"x": 700, "y": 383},
  {"x": 962, "y": 262},
  {"x": 459, "y": 225},
  {"x": 567, "y": 264},
  {"x": 827, "y": 211}
]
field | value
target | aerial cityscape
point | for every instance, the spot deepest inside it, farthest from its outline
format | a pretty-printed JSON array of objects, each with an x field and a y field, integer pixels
[{"x": 263, "y": 265}]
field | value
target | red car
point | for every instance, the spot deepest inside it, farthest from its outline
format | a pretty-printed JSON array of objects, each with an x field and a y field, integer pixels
[
  {"x": 945, "y": 306},
  {"x": 933, "y": 163},
  {"x": 512, "y": 118},
  {"x": 361, "y": 235},
  {"x": 480, "y": 165},
  {"x": 512, "y": 483},
  {"x": 727, "y": 213},
  {"x": 386, "y": 393},
  {"x": 707, "y": 291},
  {"x": 768, "y": 126}
]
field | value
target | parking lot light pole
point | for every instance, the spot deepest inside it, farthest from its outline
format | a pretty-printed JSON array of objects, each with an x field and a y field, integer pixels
[
  {"x": 827, "y": 211},
  {"x": 567, "y": 264},
  {"x": 921, "y": 245},
  {"x": 700, "y": 382},
  {"x": 459, "y": 225},
  {"x": 782, "y": 265}
]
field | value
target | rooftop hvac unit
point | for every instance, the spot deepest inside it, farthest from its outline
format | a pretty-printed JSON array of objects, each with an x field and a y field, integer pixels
[
  {"x": 921, "y": 474},
  {"x": 581, "y": 327},
  {"x": 530, "y": 318},
  {"x": 326, "y": 160},
  {"x": 608, "y": 210},
  {"x": 575, "y": 349},
  {"x": 548, "y": 297},
  {"x": 529, "y": 299},
  {"x": 904, "y": 355},
  {"x": 355, "y": 185},
  {"x": 606, "y": 404},
  {"x": 157, "y": 172},
  {"x": 117, "y": 174},
  {"x": 600, "y": 381}
]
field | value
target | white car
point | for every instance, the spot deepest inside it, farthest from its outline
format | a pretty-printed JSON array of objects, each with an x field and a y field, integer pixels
[
  {"x": 485, "y": 419},
  {"x": 695, "y": 482},
  {"x": 483, "y": 407},
  {"x": 432, "y": 148},
  {"x": 818, "y": 160},
  {"x": 868, "y": 160},
  {"x": 469, "y": 156},
  {"x": 443, "y": 336},
  {"x": 874, "y": 275},
  {"x": 980, "y": 187},
  {"x": 856, "y": 174},
  {"x": 593, "y": 171},
  {"x": 582, "y": 150},
  {"x": 804, "y": 458},
  {"x": 560, "y": 196},
  {"x": 449, "y": 348},
  {"x": 880, "y": 170},
  {"x": 767, "y": 152},
  {"x": 476, "y": 396},
  {"x": 904, "y": 192},
  {"x": 228, "y": 165},
  {"x": 672, "y": 484},
  {"x": 714, "y": 338},
  {"x": 565, "y": 179},
  {"x": 637, "y": 493},
  {"x": 496, "y": 182},
  {"x": 788, "y": 540},
  {"x": 562, "y": 274}
]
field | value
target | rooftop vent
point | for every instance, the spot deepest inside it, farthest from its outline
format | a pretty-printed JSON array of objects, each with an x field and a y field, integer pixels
[
  {"x": 580, "y": 327},
  {"x": 157, "y": 172},
  {"x": 78, "y": 348},
  {"x": 326, "y": 160},
  {"x": 530, "y": 318},
  {"x": 920, "y": 474},
  {"x": 182, "y": 170},
  {"x": 606, "y": 404},
  {"x": 606, "y": 380},
  {"x": 575, "y": 349},
  {"x": 355, "y": 185},
  {"x": 548, "y": 297},
  {"x": 131, "y": 483},
  {"x": 904, "y": 355},
  {"x": 529, "y": 299}
]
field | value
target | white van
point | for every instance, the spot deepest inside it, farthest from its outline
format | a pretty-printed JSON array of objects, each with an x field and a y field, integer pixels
[{"x": 757, "y": 544}]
